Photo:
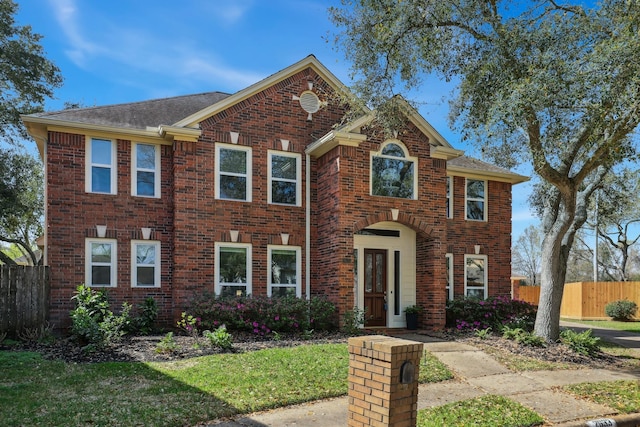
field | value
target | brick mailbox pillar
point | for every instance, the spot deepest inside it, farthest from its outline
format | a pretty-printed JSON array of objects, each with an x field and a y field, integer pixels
[{"x": 383, "y": 381}]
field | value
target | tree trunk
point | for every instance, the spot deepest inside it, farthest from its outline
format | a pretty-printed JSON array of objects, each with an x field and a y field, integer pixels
[{"x": 552, "y": 275}]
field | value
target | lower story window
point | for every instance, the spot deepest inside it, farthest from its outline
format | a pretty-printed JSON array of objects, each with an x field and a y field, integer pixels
[
  {"x": 100, "y": 262},
  {"x": 475, "y": 276},
  {"x": 284, "y": 275},
  {"x": 145, "y": 264},
  {"x": 449, "y": 287},
  {"x": 233, "y": 269}
]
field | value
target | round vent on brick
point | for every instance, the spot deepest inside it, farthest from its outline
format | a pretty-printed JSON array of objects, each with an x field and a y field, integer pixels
[{"x": 309, "y": 102}]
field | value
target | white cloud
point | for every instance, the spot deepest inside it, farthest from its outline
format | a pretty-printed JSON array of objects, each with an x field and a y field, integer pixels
[{"x": 157, "y": 53}]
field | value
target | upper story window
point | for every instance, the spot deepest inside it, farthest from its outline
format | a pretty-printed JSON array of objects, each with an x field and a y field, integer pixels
[
  {"x": 284, "y": 278},
  {"x": 100, "y": 262},
  {"x": 476, "y": 208},
  {"x": 449, "y": 197},
  {"x": 284, "y": 178},
  {"x": 393, "y": 172},
  {"x": 145, "y": 173},
  {"x": 233, "y": 172},
  {"x": 101, "y": 173},
  {"x": 233, "y": 269},
  {"x": 145, "y": 264}
]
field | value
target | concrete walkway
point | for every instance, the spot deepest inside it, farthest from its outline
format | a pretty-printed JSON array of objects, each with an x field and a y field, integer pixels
[{"x": 476, "y": 374}]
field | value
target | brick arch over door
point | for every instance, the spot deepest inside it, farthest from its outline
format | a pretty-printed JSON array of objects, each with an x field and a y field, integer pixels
[{"x": 422, "y": 228}]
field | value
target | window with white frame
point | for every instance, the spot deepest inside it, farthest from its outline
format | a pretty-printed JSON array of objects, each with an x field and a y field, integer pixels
[
  {"x": 284, "y": 178},
  {"x": 233, "y": 269},
  {"x": 476, "y": 200},
  {"x": 475, "y": 276},
  {"x": 284, "y": 275},
  {"x": 233, "y": 172},
  {"x": 145, "y": 264},
  {"x": 449, "y": 197},
  {"x": 101, "y": 171},
  {"x": 449, "y": 287},
  {"x": 101, "y": 262},
  {"x": 393, "y": 172},
  {"x": 145, "y": 173}
]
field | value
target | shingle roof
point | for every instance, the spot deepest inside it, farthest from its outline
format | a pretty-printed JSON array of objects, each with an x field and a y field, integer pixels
[
  {"x": 140, "y": 115},
  {"x": 471, "y": 163}
]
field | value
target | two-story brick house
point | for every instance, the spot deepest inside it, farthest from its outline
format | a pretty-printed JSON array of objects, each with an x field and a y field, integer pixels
[{"x": 261, "y": 192}]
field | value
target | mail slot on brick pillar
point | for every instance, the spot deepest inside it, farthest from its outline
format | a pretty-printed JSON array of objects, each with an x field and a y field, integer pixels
[{"x": 383, "y": 381}]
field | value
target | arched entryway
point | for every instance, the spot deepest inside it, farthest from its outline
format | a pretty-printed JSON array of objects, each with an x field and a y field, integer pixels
[{"x": 385, "y": 272}]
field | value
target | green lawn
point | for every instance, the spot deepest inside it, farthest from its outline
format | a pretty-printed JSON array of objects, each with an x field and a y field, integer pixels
[
  {"x": 34, "y": 391},
  {"x": 610, "y": 324},
  {"x": 40, "y": 392}
]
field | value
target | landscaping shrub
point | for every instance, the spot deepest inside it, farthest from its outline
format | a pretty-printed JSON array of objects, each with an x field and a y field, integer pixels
[
  {"x": 92, "y": 322},
  {"x": 495, "y": 313},
  {"x": 144, "y": 322},
  {"x": 263, "y": 315},
  {"x": 621, "y": 310},
  {"x": 219, "y": 338},
  {"x": 583, "y": 343},
  {"x": 523, "y": 337}
]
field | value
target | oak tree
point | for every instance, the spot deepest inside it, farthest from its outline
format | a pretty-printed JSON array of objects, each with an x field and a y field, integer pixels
[{"x": 552, "y": 83}]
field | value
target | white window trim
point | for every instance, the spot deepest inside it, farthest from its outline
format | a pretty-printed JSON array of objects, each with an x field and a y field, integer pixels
[
  {"x": 135, "y": 169},
  {"x": 249, "y": 174},
  {"x": 218, "y": 283},
  {"x": 134, "y": 263},
  {"x": 298, "y": 284},
  {"x": 486, "y": 270},
  {"x": 449, "y": 286},
  {"x": 88, "y": 264},
  {"x": 298, "y": 180},
  {"x": 449, "y": 197},
  {"x": 407, "y": 157},
  {"x": 467, "y": 199},
  {"x": 88, "y": 184}
]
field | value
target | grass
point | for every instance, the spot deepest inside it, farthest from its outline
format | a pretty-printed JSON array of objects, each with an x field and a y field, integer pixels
[
  {"x": 487, "y": 410},
  {"x": 633, "y": 326},
  {"x": 520, "y": 363},
  {"x": 624, "y": 396},
  {"x": 34, "y": 391}
]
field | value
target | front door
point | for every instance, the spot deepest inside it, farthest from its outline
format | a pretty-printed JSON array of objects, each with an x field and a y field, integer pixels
[{"x": 375, "y": 287}]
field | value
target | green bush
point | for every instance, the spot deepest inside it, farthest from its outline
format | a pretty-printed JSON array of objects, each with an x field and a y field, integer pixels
[
  {"x": 167, "y": 344},
  {"x": 144, "y": 322},
  {"x": 353, "y": 320},
  {"x": 583, "y": 343},
  {"x": 263, "y": 315},
  {"x": 92, "y": 322},
  {"x": 622, "y": 310},
  {"x": 523, "y": 337},
  {"x": 219, "y": 338},
  {"x": 469, "y": 314}
]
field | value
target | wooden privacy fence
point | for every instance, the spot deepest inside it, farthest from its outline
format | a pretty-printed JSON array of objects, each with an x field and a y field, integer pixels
[
  {"x": 586, "y": 300},
  {"x": 24, "y": 298}
]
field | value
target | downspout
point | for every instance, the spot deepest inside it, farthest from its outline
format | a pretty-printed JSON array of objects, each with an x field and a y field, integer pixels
[{"x": 307, "y": 239}]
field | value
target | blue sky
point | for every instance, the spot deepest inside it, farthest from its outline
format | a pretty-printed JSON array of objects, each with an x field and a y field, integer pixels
[{"x": 119, "y": 51}]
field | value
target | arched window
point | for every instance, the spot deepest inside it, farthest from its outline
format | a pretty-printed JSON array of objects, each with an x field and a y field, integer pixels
[{"x": 393, "y": 172}]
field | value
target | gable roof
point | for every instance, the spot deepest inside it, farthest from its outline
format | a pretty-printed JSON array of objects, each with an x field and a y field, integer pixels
[{"x": 139, "y": 115}]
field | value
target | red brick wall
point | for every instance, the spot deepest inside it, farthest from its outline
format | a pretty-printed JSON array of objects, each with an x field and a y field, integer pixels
[
  {"x": 188, "y": 220},
  {"x": 73, "y": 215},
  {"x": 493, "y": 236}
]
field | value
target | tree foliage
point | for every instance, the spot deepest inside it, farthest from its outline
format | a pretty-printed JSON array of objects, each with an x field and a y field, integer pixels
[
  {"x": 27, "y": 78},
  {"x": 21, "y": 202},
  {"x": 554, "y": 84}
]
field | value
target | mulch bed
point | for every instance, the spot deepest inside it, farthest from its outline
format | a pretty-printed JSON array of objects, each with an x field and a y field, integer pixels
[{"x": 144, "y": 348}]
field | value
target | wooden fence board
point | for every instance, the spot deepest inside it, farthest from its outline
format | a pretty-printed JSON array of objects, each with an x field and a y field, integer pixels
[
  {"x": 24, "y": 298},
  {"x": 587, "y": 300}
]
